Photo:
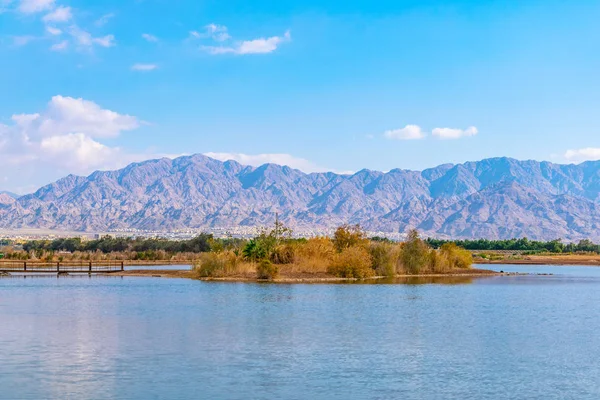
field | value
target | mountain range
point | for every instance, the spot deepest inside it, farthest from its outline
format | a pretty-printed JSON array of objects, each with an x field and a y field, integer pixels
[{"x": 493, "y": 198}]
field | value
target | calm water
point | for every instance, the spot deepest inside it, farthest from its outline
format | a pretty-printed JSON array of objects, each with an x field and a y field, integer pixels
[{"x": 532, "y": 337}]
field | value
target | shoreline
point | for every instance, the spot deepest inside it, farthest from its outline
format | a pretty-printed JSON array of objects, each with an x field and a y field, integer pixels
[{"x": 304, "y": 277}]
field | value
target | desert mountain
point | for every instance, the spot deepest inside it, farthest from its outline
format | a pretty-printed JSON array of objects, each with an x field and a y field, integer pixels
[{"x": 493, "y": 198}]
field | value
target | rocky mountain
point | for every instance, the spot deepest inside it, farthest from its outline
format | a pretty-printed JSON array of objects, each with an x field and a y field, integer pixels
[
  {"x": 493, "y": 198},
  {"x": 9, "y": 194}
]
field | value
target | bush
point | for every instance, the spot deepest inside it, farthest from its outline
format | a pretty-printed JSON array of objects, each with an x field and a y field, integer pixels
[
  {"x": 415, "y": 256},
  {"x": 349, "y": 236},
  {"x": 384, "y": 257},
  {"x": 284, "y": 254},
  {"x": 438, "y": 262},
  {"x": 267, "y": 270},
  {"x": 216, "y": 265},
  {"x": 254, "y": 250},
  {"x": 353, "y": 262},
  {"x": 458, "y": 258},
  {"x": 319, "y": 247},
  {"x": 315, "y": 255}
]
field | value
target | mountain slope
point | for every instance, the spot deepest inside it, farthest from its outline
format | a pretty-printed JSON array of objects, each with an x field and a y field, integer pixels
[{"x": 493, "y": 198}]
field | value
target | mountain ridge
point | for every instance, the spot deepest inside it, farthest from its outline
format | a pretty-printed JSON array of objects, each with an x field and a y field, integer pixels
[{"x": 494, "y": 198}]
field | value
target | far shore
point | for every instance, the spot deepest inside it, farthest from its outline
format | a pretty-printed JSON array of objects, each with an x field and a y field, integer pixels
[{"x": 553, "y": 259}]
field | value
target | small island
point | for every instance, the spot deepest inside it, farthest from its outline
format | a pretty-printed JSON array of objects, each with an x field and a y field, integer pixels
[{"x": 349, "y": 255}]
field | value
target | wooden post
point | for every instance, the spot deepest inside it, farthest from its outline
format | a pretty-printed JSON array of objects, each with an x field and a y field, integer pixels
[
  {"x": 90, "y": 266},
  {"x": 122, "y": 266},
  {"x": 58, "y": 266},
  {"x": 25, "y": 266}
]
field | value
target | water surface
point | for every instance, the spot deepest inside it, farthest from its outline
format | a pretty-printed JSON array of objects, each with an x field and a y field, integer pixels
[{"x": 525, "y": 337}]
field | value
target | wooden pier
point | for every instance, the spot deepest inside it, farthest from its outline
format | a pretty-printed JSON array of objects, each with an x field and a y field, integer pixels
[{"x": 89, "y": 267}]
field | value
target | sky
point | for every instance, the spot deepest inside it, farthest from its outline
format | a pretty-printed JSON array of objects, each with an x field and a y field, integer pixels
[{"x": 325, "y": 85}]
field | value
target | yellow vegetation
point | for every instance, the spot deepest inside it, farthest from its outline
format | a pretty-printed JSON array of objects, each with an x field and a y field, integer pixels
[
  {"x": 217, "y": 265},
  {"x": 314, "y": 256},
  {"x": 352, "y": 262},
  {"x": 267, "y": 270},
  {"x": 349, "y": 254},
  {"x": 384, "y": 258},
  {"x": 349, "y": 236},
  {"x": 457, "y": 257}
]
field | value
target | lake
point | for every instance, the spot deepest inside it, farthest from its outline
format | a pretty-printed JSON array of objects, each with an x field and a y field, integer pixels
[{"x": 517, "y": 337}]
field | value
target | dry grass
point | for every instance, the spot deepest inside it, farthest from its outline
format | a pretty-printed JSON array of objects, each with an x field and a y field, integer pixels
[
  {"x": 314, "y": 256},
  {"x": 218, "y": 265},
  {"x": 352, "y": 262}
]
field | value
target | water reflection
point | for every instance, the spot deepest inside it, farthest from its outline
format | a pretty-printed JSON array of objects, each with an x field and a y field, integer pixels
[{"x": 429, "y": 280}]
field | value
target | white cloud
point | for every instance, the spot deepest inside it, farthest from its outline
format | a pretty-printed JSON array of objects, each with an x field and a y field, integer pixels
[
  {"x": 150, "y": 38},
  {"x": 273, "y": 158},
  {"x": 215, "y": 32},
  {"x": 585, "y": 154},
  {"x": 24, "y": 119},
  {"x": 75, "y": 149},
  {"x": 60, "y": 14},
  {"x": 256, "y": 46},
  {"x": 70, "y": 115},
  {"x": 60, "y": 46},
  {"x": 144, "y": 67},
  {"x": 409, "y": 132},
  {"x": 35, "y": 6},
  {"x": 105, "y": 41},
  {"x": 85, "y": 39},
  {"x": 65, "y": 137},
  {"x": 54, "y": 15},
  {"x": 53, "y": 31},
  {"x": 104, "y": 19},
  {"x": 451, "y": 133},
  {"x": 81, "y": 37}
]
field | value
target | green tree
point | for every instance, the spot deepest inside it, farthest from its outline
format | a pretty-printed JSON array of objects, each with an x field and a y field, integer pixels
[
  {"x": 347, "y": 236},
  {"x": 415, "y": 254}
]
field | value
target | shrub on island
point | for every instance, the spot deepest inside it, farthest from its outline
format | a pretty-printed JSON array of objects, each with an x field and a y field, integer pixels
[
  {"x": 352, "y": 262},
  {"x": 266, "y": 270}
]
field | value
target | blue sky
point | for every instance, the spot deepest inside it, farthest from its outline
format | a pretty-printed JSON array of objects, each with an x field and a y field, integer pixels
[{"x": 318, "y": 85}]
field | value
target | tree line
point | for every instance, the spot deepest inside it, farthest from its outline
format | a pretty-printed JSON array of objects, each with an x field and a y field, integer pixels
[
  {"x": 523, "y": 244},
  {"x": 109, "y": 244},
  {"x": 261, "y": 245}
]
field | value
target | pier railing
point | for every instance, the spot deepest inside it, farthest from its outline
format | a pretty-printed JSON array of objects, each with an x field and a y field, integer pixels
[{"x": 59, "y": 267}]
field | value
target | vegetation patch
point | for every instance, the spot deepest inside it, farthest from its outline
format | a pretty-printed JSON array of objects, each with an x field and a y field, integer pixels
[
  {"x": 352, "y": 262},
  {"x": 348, "y": 253},
  {"x": 266, "y": 270}
]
